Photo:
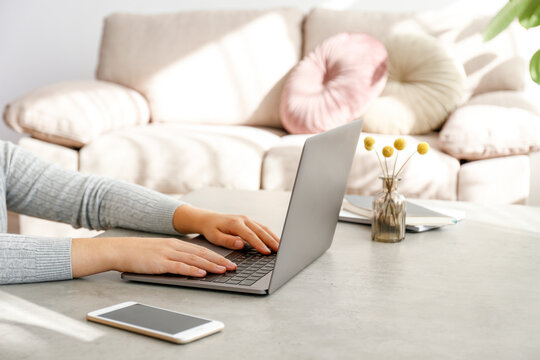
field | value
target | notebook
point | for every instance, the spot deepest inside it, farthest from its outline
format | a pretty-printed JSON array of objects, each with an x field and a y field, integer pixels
[{"x": 357, "y": 209}]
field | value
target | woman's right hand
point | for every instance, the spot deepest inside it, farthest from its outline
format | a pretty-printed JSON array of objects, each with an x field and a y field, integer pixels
[{"x": 144, "y": 256}]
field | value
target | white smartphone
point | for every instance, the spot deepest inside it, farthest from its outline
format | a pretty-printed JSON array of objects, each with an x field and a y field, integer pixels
[{"x": 153, "y": 321}]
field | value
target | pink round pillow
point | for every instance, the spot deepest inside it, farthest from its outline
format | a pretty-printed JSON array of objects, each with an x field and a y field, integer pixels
[{"x": 334, "y": 84}]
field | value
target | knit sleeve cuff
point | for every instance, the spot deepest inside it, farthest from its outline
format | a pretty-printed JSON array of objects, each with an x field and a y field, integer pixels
[
  {"x": 134, "y": 207},
  {"x": 163, "y": 214},
  {"x": 53, "y": 259}
]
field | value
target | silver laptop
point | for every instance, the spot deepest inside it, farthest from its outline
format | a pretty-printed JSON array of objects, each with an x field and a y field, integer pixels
[{"x": 309, "y": 227}]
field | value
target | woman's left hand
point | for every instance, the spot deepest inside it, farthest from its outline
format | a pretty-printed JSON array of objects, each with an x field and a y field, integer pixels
[{"x": 225, "y": 230}]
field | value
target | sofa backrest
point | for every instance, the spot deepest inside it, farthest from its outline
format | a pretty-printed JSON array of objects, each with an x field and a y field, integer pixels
[
  {"x": 216, "y": 67},
  {"x": 500, "y": 64}
]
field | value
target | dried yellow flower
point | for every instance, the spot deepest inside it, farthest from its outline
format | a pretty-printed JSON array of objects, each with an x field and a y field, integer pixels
[
  {"x": 423, "y": 148},
  {"x": 369, "y": 142},
  {"x": 369, "y": 148},
  {"x": 388, "y": 151},
  {"x": 400, "y": 144}
]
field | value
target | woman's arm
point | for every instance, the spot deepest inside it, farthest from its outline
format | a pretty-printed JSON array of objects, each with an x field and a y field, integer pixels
[
  {"x": 162, "y": 255},
  {"x": 33, "y": 258},
  {"x": 45, "y": 190},
  {"x": 144, "y": 256},
  {"x": 37, "y": 188}
]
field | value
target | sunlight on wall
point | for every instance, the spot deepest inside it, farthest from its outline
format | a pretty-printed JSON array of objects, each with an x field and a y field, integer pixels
[
  {"x": 19, "y": 311},
  {"x": 339, "y": 4},
  {"x": 469, "y": 6}
]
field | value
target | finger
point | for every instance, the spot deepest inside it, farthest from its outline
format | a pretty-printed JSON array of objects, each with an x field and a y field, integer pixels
[
  {"x": 226, "y": 240},
  {"x": 263, "y": 235},
  {"x": 274, "y": 236},
  {"x": 197, "y": 261},
  {"x": 242, "y": 230},
  {"x": 207, "y": 254},
  {"x": 179, "y": 268}
]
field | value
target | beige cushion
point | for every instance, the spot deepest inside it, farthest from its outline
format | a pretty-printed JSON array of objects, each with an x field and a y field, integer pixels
[
  {"x": 75, "y": 113},
  {"x": 489, "y": 127},
  {"x": 424, "y": 85},
  {"x": 500, "y": 64},
  {"x": 432, "y": 176},
  {"x": 214, "y": 67},
  {"x": 178, "y": 158},
  {"x": 495, "y": 181}
]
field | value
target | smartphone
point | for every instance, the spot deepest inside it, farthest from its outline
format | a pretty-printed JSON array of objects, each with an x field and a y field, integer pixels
[{"x": 153, "y": 321}]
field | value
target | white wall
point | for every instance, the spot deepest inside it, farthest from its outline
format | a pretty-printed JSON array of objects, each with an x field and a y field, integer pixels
[{"x": 43, "y": 42}]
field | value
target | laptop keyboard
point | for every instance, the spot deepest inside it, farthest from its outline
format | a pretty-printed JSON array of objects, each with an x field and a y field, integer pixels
[{"x": 251, "y": 266}]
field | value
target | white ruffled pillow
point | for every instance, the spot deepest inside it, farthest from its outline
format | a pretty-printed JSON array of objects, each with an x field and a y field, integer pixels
[{"x": 424, "y": 86}]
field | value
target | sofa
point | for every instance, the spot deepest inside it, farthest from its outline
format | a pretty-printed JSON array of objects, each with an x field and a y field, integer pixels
[{"x": 190, "y": 100}]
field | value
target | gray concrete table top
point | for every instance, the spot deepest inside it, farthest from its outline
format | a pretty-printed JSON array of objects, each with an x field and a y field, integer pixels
[{"x": 468, "y": 291}]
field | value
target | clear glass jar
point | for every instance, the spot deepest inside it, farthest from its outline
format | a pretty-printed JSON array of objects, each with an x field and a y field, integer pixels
[{"x": 389, "y": 210}]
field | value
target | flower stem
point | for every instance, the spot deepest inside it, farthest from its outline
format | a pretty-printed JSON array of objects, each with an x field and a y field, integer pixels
[
  {"x": 395, "y": 162},
  {"x": 380, "y": 162},
  {"x": 402, "y": 166}
]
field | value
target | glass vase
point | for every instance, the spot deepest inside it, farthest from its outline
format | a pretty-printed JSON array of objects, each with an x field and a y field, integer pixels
[{"x": 389, "y": 210}]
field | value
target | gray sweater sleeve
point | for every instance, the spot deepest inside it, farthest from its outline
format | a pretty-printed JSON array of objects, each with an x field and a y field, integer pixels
[{"x": 36, "y": 188}]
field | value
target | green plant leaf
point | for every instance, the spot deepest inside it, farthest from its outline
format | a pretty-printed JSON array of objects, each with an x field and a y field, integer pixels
[
  {"x": 512, "y": 10},
  {"x": 534, "y": 67},
  {"x": 530, "y": 17}
]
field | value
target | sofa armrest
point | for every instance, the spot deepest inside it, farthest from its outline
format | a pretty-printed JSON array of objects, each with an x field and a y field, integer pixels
[
  {"x": 492, "y": 125},
  {"x": 73, "y": 114},
  {"x": 534, "y": 192}
]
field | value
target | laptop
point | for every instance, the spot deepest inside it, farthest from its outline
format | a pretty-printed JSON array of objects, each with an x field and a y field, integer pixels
[{"x": 309, "y": 226}]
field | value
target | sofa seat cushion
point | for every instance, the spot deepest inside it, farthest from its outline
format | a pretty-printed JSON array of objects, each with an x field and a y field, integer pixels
[
  {"x": 492, "y": 125},
  {"x": 178, "y": 158},
  {"x": 74, "y": 113},
  {"x": 431, "y": 176},
  {"x": 214, "y": 67},
  {"x": 503, "y": 180}
]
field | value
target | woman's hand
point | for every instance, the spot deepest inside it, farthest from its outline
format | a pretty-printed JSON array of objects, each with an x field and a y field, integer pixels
[
  {"x": 229, "y": 231},
  {"x": 144, "y": 256}
]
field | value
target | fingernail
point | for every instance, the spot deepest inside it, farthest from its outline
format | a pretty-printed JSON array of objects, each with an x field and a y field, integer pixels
[
  {"x": 267, "y": 250},
  {"x": 238, "y": 244},
  {"x": 200, "y": 272},
  {"x": 221, "y": 268},
  {"x": 230, "y": 263}
]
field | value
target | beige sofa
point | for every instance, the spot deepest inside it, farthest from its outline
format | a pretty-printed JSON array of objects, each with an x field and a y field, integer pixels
[{"x": 190, "y": 100}]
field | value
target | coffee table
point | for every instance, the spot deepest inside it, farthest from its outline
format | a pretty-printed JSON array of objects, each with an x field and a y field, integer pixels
[{"x": 468, "y": 291}]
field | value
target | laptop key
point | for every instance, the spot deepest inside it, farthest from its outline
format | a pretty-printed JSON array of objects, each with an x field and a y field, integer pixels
[
  {"x": 247, "y": 282},
  {"x": 233, "y": 281}
]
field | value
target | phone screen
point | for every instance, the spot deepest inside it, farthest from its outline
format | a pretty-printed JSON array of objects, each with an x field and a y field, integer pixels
[{"x": 169, "y": 322}]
